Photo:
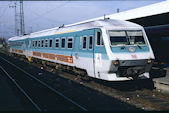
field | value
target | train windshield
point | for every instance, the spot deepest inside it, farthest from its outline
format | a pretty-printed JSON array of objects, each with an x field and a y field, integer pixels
[{"x": 126, "y": 38}]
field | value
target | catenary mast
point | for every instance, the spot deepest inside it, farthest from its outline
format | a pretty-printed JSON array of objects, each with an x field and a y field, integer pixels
[
  {"x": 16, "y": 26},
  {"x": 22, "y": 26}
]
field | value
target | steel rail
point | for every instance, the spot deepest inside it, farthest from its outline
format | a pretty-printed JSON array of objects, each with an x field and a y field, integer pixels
[
  {"x": 18, "y": 86},
  {"x": 46, "y": 85}
]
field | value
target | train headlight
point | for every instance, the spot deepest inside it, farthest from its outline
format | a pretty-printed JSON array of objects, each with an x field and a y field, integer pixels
[
  {"x": 149, "y": 61},
  {"x": 116, "y": 63}
]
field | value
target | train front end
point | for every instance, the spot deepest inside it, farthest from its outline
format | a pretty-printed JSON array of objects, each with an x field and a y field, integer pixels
[
  {"x": 130, "y": 54},
  {"x": 134, "y": 57}
]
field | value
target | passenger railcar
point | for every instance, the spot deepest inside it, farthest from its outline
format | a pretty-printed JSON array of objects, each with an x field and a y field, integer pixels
[{"x": 111, "y": 50}]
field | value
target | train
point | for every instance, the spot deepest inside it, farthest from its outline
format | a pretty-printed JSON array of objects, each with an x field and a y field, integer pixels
[
  {"x": 159, "y": 38},
  {"x": 106, "y": 49}
]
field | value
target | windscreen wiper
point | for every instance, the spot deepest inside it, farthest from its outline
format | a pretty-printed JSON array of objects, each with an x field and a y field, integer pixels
[
  {"x": 123, "y": 46},
  {"x": 139, "y": 46}
]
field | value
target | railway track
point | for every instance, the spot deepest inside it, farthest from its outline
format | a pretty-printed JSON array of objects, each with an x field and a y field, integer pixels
[
  {"x": 129, "y": 92},
  {"x": 41, "y": 95},
  {"x": 139, "y": 93}
]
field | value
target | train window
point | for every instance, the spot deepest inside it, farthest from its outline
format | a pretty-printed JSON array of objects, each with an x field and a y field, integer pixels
[
  {"x": 63, "y": 43},
  {"x": 50, "y": 43},
  {"x": 135, "y": 37},
  {"x": 57, "y": 43},
  {"x": 90, "y": 42},
  {"x": 70, "y": 43},
  {"x": 33, "y": 44},
  {"x": 46, "y": 43},
  {"x": 39, "y": 43},
  {"x": 99, "y": 39},
  {"x": 118, "y": 38},
  {"x": 42, "y": 42},
  {"x": 36, "y": 43},
  {"x": 84, "y": 42}
]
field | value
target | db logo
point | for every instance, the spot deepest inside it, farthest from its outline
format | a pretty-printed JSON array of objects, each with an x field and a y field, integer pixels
[
  {"x": 131, "y": 49},
  {"x": 133, "y": 56}
]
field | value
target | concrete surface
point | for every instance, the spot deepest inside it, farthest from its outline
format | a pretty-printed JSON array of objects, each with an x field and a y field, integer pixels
[{"x": 162, "y": 83}]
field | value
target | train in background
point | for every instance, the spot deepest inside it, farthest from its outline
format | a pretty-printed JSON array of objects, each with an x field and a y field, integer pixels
[
  {"x": 156, "y": 26},
  {"x": 159, "y": 40},
  {"x": 112, "y": 50}
]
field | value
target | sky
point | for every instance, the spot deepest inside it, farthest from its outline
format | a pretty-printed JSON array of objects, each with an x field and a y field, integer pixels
[{"x": 40, "y": 15}]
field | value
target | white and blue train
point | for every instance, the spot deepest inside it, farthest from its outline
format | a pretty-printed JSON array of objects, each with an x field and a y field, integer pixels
[{"x": 111, "y": 50}]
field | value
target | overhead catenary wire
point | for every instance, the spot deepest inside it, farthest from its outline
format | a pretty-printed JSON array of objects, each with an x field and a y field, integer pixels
[
  {"x": 5, "y": 9},
  {"x": 2, "y": 23},
  {"x": 40, "y": 16},
  {"x": 16, "y": 26},
  {"x": 43, "y": 16}
]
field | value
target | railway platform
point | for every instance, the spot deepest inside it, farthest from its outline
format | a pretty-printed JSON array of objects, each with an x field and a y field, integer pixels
[
  {"x": 8, "y": 100},
  {"x": 162, "y": 82}
]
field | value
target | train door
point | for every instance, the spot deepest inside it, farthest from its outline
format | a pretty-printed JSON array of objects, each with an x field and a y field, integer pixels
[
  {"x": 98, "y": 52},
  {"x": 28, "y": 46},
  {"x": 84, "y": 51},
  {"x": 76, "y": 49},
  {"x": 25, "y": 47},
  {"x": 87, "y": 49},
  {"x": 90, "y": 47}
]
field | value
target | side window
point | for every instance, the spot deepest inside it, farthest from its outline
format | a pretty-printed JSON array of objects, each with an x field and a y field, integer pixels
[
  {"x": 42, "y": 42},
  {"x": 39, "y": 43},
  {"x": 50, "y": 43},
  {"x": 84, "y": 42},
  {"x": 57, "y": 43},
  {"x": 33, "y": 43},
  {"x": 90, "y": 42},
  {"x": 36, "y": 43},
  {"x": 70, "y": 43},
  {"x": 29, "y": 43},
  {"x": 46, "y": 43},
  {"x": 63, "y": 43},
  {"x": 99, "y": 38}
]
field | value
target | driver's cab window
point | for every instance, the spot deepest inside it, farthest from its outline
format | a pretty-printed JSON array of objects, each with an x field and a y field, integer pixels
[{"x": 99, "y": 39}]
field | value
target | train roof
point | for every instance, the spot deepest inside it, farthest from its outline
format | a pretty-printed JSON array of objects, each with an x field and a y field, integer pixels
[
  {"x": 18, "y": 38},
  {"x": 106, "y": 23}
]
